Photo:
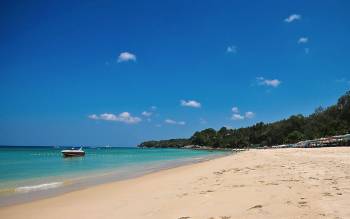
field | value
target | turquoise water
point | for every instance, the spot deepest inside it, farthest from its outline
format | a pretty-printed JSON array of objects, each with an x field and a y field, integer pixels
[{"x": 27, "y": 169}]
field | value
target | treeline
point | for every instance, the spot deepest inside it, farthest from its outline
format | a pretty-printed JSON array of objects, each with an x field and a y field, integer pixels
[
  {"x": 334, "y": 120},
  {"x": 171, "y": 143}
]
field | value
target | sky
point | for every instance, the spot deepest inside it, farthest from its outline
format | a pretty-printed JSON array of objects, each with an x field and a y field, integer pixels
[{"x": 122, "y": 72}]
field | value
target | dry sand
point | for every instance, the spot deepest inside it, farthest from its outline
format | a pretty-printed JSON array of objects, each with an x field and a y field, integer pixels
[{"x": 280, "y": 183}]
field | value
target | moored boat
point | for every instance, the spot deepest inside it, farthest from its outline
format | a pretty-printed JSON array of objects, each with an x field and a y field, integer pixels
[{"x": 73, "y": 152}]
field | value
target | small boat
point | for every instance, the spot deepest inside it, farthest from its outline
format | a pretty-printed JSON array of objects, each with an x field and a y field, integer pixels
[{"x": 73, "y": 152}]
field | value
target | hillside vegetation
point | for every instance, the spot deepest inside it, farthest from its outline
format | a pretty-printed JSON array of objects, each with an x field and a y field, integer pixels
[{"x": 330, "y": 121}]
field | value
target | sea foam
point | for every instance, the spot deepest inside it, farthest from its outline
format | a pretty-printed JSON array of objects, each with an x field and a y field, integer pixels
[{"x": 45, "y": 186}]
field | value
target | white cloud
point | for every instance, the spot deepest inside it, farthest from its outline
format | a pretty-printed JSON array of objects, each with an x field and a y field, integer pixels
[
  {"x": 303, "y": 40},
  {"x": 126, "y": 56},
  {"x": 93, "y": 116},
  {"x": 147, "y": 114},
  {"x": 231, "y": 49},
  {"x": 273, "y": 83},
  {"x": 173, "y": 122},
  {"x": 292, "y": 17},
  {"x": 249, "y": 115},
  {"x": 108, "y": 117},
  {"x": 235, "y": 109},
  {"x": 268, "y": 82},
  {"x": 124, "y": 117},
  {"x": 237, "y": 117},
  {"x": 190, "y": 103}
]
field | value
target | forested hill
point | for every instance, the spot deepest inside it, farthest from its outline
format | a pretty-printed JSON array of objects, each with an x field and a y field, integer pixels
[{"x": 334, "y": 120}]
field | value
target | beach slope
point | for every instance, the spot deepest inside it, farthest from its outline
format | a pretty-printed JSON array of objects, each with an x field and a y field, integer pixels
[{"x": 280, "y": 183}]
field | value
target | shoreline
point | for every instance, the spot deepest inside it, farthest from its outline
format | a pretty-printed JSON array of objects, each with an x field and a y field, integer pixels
[
  {"x": 283, "y": 183},
  {"x": 73, "y": 184}
]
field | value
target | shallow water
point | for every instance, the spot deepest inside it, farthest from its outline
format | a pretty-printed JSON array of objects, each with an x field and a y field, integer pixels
[{"x": 27, "y": 173}]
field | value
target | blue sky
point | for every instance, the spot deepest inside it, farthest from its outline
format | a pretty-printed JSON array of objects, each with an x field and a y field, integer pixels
[{"x": 120, "y": 72}]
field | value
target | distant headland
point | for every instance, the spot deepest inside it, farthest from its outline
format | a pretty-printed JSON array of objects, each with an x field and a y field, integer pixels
[{"x": 294, "y": 131}]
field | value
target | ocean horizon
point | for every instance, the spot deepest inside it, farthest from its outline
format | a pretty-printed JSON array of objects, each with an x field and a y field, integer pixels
[{"x": 31, "y": 172}]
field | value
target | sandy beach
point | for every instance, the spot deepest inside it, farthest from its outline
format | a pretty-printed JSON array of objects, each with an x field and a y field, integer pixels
[{"x": 280, "y": 183}]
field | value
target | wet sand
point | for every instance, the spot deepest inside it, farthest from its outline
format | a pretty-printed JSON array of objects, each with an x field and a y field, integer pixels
[{"x": 279, "y": 183}]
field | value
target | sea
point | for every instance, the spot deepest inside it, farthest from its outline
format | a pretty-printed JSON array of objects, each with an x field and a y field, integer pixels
[{"x": 32, "y": 172}]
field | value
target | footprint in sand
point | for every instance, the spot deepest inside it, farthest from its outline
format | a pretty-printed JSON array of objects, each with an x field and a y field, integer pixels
[
  {"x": 314, "y": 178},
  {"x": 327, "y": 194},
  {"x": 290, "y": 180},
  {"x": 202, "y": 178},
  {"x": 205, "y": 192},
  {"x": 237, "y": 186},
  {"x": 218, "y": 172},
  {"x": 288, "y": 202},
  {"x": 186, "y": 217},
  {"x": 255, "y": 207},
  {"x": 221, "y": 217},
  {"x": 182, "y": 195},
  {"x": 271, "y": 184},
  {"x": 302, "y": 204}
]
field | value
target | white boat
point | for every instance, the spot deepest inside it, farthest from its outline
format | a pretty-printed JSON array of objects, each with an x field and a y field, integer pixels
[{"x": 73, "y": 152}]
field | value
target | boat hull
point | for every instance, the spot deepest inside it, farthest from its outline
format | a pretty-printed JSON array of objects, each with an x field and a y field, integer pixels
[{"x": 73, "y": 154}]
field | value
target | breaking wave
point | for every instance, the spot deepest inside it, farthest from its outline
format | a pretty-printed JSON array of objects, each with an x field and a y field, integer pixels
[{"x": 45, "y": 186}]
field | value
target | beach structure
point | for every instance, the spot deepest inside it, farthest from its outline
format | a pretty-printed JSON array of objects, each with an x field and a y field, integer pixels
[{"x": 339, "y": 140}]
